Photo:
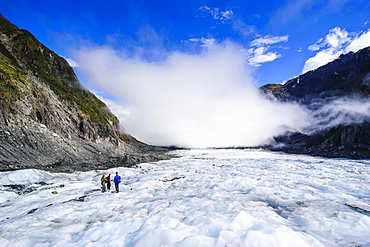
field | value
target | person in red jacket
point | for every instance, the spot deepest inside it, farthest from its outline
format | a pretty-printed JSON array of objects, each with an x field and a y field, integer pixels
[{"x": 108, "y": 179}]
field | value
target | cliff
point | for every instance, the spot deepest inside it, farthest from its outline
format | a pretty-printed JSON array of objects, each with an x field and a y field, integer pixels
[
  {"x": 342, "y": 81},
  {"x": 48, "y": 120}
]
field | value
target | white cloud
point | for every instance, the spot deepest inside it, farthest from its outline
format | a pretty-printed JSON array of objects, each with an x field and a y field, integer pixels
[
  {"x": 320, "y": 59},
  {"x": 269, "y": 40},
  {"x": 257, "y": 59},
  {"x": 259, "y": 52},
  {"x": 338, "y": 41},
  {"x": 197, "y": 100},
  {"x": 206, "y": 42},
  {"x": 332, "y": 112},
  {"x": 245, "y": 30},
  {"x": 71, "y": 62},
  {"x": 317, "y": 46},
  {"x": 361, "y": 41},
  {"x": 122, "y": 112},
  {"x": 216, "y": 14},
  {"x": 226, "y": 15},
  {"x": 337, "y": 38}
]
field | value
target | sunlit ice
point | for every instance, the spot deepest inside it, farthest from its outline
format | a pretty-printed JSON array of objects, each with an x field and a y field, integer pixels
[{"x": 202, "y": 198}]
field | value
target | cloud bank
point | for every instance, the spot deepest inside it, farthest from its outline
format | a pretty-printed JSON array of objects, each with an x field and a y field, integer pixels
[
  {"x": 336, "y": 111},
  {"x": 207, "y": 99}
]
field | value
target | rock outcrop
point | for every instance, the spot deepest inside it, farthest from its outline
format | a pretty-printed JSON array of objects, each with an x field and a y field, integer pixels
[
  {"x": 347, "y": 77},
  {"x": 49, "y": 121}
]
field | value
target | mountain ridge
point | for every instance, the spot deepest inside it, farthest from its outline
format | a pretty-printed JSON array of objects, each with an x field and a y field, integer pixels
[
  {"x": 49, "y": 121},
  {"x": 348, "y": 74},
  {"x": 346, "y": 79}
]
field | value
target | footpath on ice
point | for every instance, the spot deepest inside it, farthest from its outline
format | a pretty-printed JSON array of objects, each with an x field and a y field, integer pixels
[{"x": 203, "y": 198}]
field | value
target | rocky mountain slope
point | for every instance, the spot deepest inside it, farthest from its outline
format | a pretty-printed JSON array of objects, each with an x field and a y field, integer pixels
[
  {"x": 48, "y": 120},
  {"x": 345, "y": 82}
]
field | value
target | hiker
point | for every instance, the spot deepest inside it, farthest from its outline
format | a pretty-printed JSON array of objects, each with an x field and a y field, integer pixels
[
  {"x": 117, "y": 180},
  {"x": 108, "y": 179},
  {"x": 103, "y": 182}
]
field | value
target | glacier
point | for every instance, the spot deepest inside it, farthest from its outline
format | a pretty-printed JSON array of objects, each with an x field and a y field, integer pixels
[{"x": 204, "y": 197}]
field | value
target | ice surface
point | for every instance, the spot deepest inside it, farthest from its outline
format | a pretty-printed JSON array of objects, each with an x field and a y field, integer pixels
[{"x": 202, "y": 198}]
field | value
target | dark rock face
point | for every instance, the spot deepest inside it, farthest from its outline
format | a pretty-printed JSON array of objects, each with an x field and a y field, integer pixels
[
  {"x": 347, "y": 77},
  {"x": 49, "y": 121},
  {"x": 351, "y": 141}
]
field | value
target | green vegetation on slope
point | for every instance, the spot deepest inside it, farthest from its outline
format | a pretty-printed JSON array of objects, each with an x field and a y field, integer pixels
[
  {"x": 26, "y": 54},
  {"x": 10, "y": 79}
]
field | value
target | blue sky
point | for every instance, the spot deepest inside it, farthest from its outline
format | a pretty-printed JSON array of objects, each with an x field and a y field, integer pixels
[
  {"x": 294, "y": 26},
  {"x": 204, "y": 55}
]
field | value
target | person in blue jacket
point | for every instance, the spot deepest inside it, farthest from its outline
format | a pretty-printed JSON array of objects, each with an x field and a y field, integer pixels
[{"x": 117, "y": 180}]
